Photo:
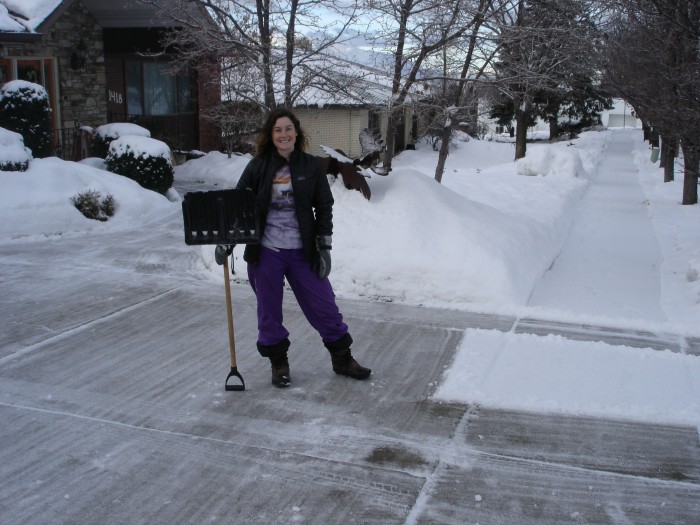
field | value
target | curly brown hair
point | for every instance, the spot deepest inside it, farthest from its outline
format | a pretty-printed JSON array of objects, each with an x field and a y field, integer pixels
[{"x": 263, "y": 141}]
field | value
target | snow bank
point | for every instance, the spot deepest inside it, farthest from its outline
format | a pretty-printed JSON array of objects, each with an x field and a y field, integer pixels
[
  {"x": 552, "y": 162},
  {"x": 37, "y": 202},
  {"x": 12, "y": 149}
]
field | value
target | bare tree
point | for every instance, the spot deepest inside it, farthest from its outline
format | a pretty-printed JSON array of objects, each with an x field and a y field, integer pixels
[
  {"x": 544, "y": 43},
  {"x": 413, "y": 31},
  {"x": 459, "y": 102},
  {"x": 278, "y": 47}
]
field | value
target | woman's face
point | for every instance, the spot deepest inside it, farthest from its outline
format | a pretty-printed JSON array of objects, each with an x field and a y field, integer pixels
[{"x": 284, "y": 134}]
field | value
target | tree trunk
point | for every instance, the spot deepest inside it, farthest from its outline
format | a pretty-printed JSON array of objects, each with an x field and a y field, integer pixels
[
  {"x": 390, "y": 140},
  {"x": 520, "y": 133},
  {"x": 691, "y": 156},
  {"x": 654, "y": 137},
  {"x": 444, "y": 151},
  {"x": 664, "y": 150},
  {"x": 553, "y": 128},
  {"x": 668, "y": 155}
]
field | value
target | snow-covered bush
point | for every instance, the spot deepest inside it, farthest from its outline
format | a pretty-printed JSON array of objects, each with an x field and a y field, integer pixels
[
  {"x": 13, "y": 155},
  {"x": 25, "y": 109},
  {"x": 145, "y": 160},
  {"x": 94, "y": 206},
  {"x": 105, "y": 134}
]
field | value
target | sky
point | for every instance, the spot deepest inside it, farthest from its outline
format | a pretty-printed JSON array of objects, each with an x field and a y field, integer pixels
[{"x": 581, "y": 231}]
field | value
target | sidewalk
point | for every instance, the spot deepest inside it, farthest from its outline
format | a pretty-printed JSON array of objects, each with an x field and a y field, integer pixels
[{"x": 580, "y": 279}]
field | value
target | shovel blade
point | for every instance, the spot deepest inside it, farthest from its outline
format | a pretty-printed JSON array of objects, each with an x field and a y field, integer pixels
[{"x": 234, "y": 386}]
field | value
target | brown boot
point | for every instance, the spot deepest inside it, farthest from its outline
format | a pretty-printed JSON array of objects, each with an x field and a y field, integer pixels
[
  {"x": 345, "y": 365},
  {"x": 280, "y": 371}
]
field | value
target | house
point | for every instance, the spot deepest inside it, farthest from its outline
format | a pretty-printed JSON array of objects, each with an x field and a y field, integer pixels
[
  {"x": 96, "y": 60},
  {"x": 352, "y": 97},
  {"x": 621, "y": 116}
]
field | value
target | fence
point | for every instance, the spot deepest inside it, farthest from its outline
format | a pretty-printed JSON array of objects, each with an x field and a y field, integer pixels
[
  {"x": 72, "y": 143},
  {"x": 179, "y": 132}
]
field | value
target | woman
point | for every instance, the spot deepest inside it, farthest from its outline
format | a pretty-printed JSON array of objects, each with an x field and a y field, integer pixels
[{"x": 295, "y": 204}]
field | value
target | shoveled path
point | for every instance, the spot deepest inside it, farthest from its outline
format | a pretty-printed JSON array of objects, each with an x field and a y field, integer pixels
[
  {"x": 610, "y": 263},
  {"x": 113, "y": 354}
]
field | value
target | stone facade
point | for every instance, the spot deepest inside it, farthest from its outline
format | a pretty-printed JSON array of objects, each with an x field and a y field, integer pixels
[
  {"x": 77, "y": 97},
  {"x": 83, "y": 91}
]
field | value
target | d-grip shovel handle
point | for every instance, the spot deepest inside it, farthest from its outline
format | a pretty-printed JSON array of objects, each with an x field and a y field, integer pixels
[{"x": 234, "y": 386}]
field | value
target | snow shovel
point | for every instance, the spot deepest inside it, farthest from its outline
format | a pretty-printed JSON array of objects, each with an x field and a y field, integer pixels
[
  {"x": 225, "y": 217},
  {"x": 231, "y": 339}
]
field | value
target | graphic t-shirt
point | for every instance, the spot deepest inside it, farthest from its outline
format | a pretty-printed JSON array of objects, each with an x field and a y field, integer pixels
[{"x": 282, "y": 229}]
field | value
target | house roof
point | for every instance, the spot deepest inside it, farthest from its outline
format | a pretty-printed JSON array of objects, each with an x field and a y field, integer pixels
[{"x": 27, "y": 18}]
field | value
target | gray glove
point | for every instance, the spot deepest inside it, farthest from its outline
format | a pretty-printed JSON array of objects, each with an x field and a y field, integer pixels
[
  {"x": 323, "y": 265},
  {"x": 221, "y": 252}
]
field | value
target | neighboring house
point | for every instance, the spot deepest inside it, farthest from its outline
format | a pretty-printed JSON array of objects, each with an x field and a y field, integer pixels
[
  {"x": 335, "y": 117},
  {"x": 339, "y": 126},
  {"x": 89, "y": 55},
  {"x": 620, "y": 116}
]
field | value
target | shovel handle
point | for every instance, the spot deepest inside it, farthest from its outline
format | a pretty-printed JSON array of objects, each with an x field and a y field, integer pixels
[
  {"x": 234, "y": 386},
  {"x": 229, "y": 315}
]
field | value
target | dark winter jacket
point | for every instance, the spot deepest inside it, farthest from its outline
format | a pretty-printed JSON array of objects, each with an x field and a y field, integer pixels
[{"x": 312, "y": 195}]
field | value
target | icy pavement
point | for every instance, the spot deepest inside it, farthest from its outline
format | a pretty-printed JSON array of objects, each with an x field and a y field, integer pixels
[{"x": 113, "y": 410}]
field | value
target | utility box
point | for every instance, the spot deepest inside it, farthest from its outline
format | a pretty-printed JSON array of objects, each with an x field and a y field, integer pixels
[{"x": 654, "y": 154}]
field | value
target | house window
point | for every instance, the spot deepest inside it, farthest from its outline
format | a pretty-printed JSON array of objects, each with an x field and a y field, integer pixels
[
  {"x": 153, "y": 90},
  {"x": 373, "y": 118},
  {"x": 36, "y": 70}
]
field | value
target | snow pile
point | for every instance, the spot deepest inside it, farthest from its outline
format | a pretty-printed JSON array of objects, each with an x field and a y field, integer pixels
[
  {"x": 448, "y": 258},
  {"x": 12, "y": 149},
  {"x": 552, "y": 161},
  {"x": 37, "y": 202},
  {"x": 680, "y": 244}
]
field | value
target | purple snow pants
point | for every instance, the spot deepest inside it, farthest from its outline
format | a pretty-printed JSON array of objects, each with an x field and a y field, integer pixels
[{"x": 315, "y": 296}]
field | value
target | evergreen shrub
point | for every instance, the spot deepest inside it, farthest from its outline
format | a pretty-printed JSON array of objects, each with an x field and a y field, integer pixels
[
  {"x": 91, "y": 204},
  {"x": 145, "y": 160},
  {"x": 25, "y": 109},
  {"x": 105, "y": 134}
]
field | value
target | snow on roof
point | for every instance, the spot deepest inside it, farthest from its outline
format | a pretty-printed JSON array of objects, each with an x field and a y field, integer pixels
[
  {"x": 7, "y": 23},
  {"x": 25, "y": 15}
]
